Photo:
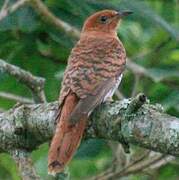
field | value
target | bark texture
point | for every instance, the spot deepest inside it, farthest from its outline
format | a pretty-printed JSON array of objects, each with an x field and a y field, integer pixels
[{"x": 27, "y": 126}]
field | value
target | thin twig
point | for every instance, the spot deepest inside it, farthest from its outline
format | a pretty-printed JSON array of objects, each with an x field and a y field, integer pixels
[
  {"x": 16, "y": 98},
  {"x": 110, "y": 170},
  {"x": 5, "y": 11},
  {"x": 5, "y": 5},
  {"x": 141, "y": 165},
  {"x": 25, "y": 165},
  {"x": 139, "y": 159},
  {"x": 50, "y": 18},
  {"x": 35, "y": 84},
  {"x": 132, "y": 169},
  {"x": 165, "y": 160},
  {"x": 136, "y": 69}
]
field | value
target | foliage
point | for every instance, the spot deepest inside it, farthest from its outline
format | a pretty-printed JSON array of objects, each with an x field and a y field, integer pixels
[{"x": 150, "y": 37}]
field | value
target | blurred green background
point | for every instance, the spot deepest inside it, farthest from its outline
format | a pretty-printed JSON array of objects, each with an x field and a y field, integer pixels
[{"x": 151, "y": 39}]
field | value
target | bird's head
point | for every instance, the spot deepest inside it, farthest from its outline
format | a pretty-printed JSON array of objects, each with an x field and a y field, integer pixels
[{"x": 104, "y": 21}]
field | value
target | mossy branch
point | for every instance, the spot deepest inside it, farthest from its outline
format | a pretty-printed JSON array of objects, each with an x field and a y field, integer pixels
[{"x": 27, "y": 126}]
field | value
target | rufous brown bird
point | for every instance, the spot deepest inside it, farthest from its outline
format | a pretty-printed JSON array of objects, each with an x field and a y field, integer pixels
[{"x": 94, "y": 71}]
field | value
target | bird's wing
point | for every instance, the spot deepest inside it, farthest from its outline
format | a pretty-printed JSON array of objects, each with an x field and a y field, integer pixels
[{"x": 85, "y": 106}]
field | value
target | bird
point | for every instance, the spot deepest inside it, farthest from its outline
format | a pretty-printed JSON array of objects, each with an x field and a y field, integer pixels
[{"x": 93, "y": 73}]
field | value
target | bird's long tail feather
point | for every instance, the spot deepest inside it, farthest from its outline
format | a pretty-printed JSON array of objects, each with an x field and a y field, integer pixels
[{"x": 67, "y": 137}]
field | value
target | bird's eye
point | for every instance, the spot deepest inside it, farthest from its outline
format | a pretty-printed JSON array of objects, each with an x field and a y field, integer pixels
[{"x": 103, "y": 19}]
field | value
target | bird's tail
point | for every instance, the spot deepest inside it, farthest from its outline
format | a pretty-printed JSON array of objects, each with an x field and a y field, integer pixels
[{"x": 66, "y": 139}]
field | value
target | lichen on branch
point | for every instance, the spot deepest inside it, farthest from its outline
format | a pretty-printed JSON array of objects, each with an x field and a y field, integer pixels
[{"x": 27, "y": 126}]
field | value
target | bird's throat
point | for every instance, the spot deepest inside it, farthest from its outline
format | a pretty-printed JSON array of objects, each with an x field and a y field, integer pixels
[{"x": 101, "y": 34}]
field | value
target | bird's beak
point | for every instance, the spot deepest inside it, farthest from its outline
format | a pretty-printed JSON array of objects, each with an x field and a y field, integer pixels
[{"x": 122, "y": 14}]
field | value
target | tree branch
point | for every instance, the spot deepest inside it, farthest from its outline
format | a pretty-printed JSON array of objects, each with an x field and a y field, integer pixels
[
  {"x": 136, "y": 69},
  {"x": 50, "y": 18},
  {"x": 35, "y": 84},
  {"x": 25, "y": 165},
  {"x": 132, "y": 169},
  {"x": 28, "y": 126},
  {"x": 6, "y": 10},
  {"x": 16, "y": 98},
  {"x": 142, "y": 165}
]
